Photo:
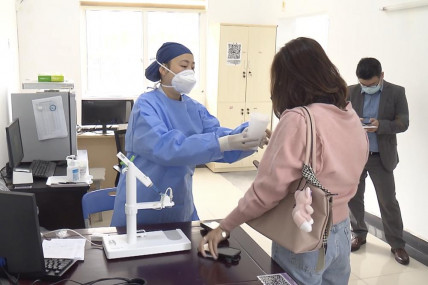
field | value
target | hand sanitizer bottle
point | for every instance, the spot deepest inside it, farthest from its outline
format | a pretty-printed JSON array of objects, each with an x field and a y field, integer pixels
[{"x": 73, "y": 171}]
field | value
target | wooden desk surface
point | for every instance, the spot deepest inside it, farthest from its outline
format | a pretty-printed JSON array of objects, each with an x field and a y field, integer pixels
[{"x": 184, "y": 267}]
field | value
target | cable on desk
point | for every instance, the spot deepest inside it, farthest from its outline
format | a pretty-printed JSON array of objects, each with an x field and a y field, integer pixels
[
  {"x": 62, "y": 233},
  {"x": 135, "y": 281},
  {"x": 82, "y": 130},
  {"x": 2, "y": 175},
  {"x": 14, "y": 280},
  {"x": 57, "y": 282}
]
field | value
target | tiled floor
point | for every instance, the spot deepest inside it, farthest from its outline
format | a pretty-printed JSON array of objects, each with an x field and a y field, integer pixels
[{"x": 217, "y": 194}]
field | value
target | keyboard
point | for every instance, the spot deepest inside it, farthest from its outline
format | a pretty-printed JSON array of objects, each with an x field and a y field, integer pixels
[
  {"x": 42, "y": 168},
  {"x": 56, "y": 267}
]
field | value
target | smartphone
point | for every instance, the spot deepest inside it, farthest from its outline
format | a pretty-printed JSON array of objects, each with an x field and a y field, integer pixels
[
  {"x": 368, "y": 126},
  {"x": 366, "y": 121},
  {"x": 228, "y": 254},
  {"x": 209, "y": 225}
]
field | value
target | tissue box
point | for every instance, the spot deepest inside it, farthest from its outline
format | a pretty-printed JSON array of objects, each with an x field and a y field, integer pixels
[
  {"x": 44, "y": 78},
  {"x": 50, "y": 78},
  {"x": 57, "y": 78}
]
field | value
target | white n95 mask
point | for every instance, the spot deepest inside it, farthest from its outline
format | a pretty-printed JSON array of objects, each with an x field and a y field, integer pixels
[
  {"x": 371, "y": 89},
  {"x": 183, "y": 82}
]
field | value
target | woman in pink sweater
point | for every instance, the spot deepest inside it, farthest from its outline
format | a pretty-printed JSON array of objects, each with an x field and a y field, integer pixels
[{"x": 303, "y": 75}]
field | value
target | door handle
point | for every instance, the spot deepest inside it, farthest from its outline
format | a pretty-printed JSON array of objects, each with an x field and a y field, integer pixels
[
  {"x": 242, "y": 112},
  {"x": 248, "y": 111},
  {"x": 243, "y": 74}
]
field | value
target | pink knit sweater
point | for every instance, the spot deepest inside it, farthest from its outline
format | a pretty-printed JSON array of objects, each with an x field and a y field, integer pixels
[{"x": 342, "y": 151}]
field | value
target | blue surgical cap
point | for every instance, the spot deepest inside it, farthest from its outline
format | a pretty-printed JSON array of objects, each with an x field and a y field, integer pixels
[{"x": 165, "y": 53}]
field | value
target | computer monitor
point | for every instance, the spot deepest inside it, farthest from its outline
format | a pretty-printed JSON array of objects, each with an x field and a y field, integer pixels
[
  {"x": 106, "y": 112},
  {"x": 20, "y": 239},
  {"x": 14, "y": 146}
]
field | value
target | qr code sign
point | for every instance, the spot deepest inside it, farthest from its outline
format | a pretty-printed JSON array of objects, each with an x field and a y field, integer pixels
[
  {"x": 275, "y": 279},
  {"x": 234, "y": 51}
]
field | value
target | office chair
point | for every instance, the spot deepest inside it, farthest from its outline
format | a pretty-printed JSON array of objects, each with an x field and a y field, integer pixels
[
  {"x": 119, "y": 137},
  {"x": 97, "y": 201}
]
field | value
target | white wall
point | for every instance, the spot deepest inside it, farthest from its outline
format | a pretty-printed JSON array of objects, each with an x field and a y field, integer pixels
[
  {"x": 400, "y": 42},
  {"x": 49, "y": 41},
  {"x": 257, "y": 12},
  {"x": 8, "y": 68},
  {"x": 398, "y": 39}
]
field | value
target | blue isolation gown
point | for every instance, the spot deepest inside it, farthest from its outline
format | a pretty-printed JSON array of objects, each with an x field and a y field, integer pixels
[{"x": 168, "y": 138}]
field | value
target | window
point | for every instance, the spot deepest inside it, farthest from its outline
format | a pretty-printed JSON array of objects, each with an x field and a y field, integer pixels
[
  {"x": 121, "y": 43},
  {"x": 186, "y": 32},
  {"x": 114, "y": 41}
]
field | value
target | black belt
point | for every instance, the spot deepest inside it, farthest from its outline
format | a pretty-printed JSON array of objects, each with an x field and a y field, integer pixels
[{"x": 373, "y": 153}]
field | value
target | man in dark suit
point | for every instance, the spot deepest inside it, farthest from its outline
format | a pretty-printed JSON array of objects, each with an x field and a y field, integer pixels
[{"x": 383, "y": 109}]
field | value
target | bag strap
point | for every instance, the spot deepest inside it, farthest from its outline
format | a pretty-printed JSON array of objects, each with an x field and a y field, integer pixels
[
  {"x": 311, "y": 153},
  {"x": 311, "y": 139}
]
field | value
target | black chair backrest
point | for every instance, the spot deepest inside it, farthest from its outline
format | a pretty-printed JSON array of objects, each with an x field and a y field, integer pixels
[{"x": 119, "y": 137}]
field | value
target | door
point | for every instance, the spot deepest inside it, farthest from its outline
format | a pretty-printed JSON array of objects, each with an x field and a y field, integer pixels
[
  {"x": 261, "y": 51},
  {"x": 232, "y": 77},
  {"x": 260, "y": 107},
  {"x": 231, "y": 114}
]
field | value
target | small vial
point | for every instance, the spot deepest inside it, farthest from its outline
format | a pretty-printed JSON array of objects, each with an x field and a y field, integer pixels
[{"x": 75, "y": 172}]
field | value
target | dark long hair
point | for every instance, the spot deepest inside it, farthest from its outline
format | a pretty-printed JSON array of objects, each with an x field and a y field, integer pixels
[{"x": 302, "y": 74}]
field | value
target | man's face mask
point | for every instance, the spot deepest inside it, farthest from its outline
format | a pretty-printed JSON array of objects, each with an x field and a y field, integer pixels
[
  {"x": 371, "y": 89},
  {"x": 183, "y": 82}
]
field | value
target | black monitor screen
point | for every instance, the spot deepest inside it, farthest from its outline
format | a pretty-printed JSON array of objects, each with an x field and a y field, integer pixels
[
  {"x": 14, "y": 144},
  {"x": 20, "y": 240},
  {"x": 106, "y": 112}
]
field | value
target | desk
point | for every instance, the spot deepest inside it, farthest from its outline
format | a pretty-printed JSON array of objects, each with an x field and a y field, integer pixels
[
  {"x": 59, "y": 207},
  {"x": 184, "y": 267},
  {"x": 101, "y": 154}
]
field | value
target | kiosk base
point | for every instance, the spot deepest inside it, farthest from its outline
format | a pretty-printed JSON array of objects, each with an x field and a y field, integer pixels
[{"x": 147, "y": 243}]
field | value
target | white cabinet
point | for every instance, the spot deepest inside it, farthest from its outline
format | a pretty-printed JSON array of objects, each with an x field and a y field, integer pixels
[{"x": 245, "y": 54}]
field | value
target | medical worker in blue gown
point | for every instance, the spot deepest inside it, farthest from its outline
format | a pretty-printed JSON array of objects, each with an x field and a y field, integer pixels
[{"x": 169, "y": 133}]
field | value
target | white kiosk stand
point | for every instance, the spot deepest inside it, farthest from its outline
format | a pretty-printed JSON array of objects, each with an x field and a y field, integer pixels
[{"x": 144, "y": 243}]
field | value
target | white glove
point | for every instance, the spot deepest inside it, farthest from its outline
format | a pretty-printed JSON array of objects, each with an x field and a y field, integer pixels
[{"x": 237, "y": 142}]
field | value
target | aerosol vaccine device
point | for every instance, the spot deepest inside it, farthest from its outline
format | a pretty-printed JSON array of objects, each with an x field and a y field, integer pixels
[
  {"x": 257, "y": 125},
  {"x": 142, "y": 243}
]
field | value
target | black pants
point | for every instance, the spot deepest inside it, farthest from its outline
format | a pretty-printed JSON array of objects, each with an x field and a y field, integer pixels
[{"x": 384, "y": 185}]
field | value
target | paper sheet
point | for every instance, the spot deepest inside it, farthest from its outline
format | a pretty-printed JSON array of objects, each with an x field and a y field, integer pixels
[
  {"x": 50, "y": 118},
  {"x": 64, "y": 248},
  {"x": 62, "y": 181},
  {"x": 276, "y": 279}
]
